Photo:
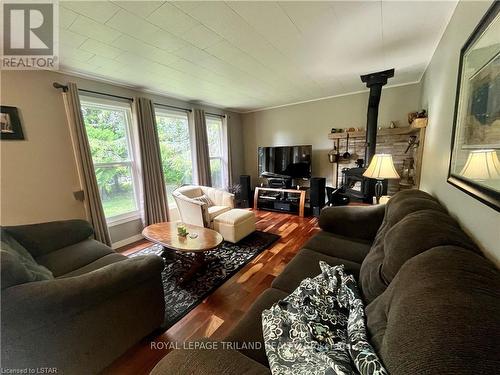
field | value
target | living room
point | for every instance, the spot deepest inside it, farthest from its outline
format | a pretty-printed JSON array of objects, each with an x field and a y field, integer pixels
[{"x": 172, "y": 185}]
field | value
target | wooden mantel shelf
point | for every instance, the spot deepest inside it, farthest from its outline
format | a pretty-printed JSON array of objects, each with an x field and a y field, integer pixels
[{"x": 381, "y": 132}]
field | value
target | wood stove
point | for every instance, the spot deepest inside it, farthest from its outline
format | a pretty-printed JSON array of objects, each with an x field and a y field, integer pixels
[{"x": 355, "y": 185}]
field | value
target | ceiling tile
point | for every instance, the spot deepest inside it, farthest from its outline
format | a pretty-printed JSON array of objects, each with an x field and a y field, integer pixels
[
  {"x": 201, "y": 37},
  {"x": 101, "y": 49},
  {"x": 71, "y": 40},
  {"x": 86, "y": 26},
  {"x": 66, "y": 17},
  {"x": 74, "y": 54},
  {"x": 170, "y": 18},
  {"x": 140, "y": 8},
  {"x": 166, "y": 41},
  {"x": 100, "y": 61},
  {"x": 99, "y": 11},
  {"x": 132, "y": 25},
  {"x": 139, "y": 48},
  {"x": 187, "y": 6},
  {"x": 266, "y": 17}
]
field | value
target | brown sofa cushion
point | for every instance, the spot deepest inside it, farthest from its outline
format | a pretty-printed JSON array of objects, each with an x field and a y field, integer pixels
[
  {"x": 40, "y": 239},
  {"x": 210, "y": 359},
  {"x": 416, "y": 233},
  {"x": 249, "y": 329},
  {"x": 306, "y": 264},
  {"x": 402, "y": 204},
  {"x": 338, "y": 246},
  {"x": 97, "y": 264},
  {"x": 17, "y": 264},
  {"x": 73, "y": 257},
  {"x": 439, "y": 315}
]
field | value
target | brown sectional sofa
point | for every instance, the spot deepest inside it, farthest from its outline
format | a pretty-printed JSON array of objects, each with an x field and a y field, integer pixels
[
  {"x": 432, "y": 300},
  {"x": 84, "y": 309}
]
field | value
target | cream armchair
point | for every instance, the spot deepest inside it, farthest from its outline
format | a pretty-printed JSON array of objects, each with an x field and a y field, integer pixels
[{"x": 197, "y": 212}]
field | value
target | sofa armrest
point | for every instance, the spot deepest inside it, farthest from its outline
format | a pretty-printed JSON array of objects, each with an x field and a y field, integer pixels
[
  {"x": 353, "y": 221},
  {"x": 212, "y": 359},
  {"x": 37, "y": 302},
  {"x": 43, "y": 238}
]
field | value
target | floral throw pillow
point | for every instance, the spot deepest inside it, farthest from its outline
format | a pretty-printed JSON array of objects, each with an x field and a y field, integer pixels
[{"x": 320, "y": 329}]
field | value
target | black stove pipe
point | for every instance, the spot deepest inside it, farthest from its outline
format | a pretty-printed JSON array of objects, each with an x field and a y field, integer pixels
[{"x": 374, "y": 81}]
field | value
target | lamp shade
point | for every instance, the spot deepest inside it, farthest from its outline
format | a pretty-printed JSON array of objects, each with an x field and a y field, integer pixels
[
  {"x": 482, "y": 165},
  {"x": 381, "y": 167}
]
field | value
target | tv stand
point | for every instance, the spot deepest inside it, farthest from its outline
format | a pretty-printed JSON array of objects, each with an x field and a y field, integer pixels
[{"x": 277, "y": 199}]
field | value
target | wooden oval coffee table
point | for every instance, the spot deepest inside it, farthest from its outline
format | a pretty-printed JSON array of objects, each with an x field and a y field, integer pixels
[{"x": 174, "y": 246}]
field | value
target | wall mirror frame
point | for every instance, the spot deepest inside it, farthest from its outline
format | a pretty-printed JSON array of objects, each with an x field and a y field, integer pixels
[{"x": 475, "y": 146}]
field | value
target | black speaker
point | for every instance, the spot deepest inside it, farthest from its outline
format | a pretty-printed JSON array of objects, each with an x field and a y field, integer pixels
[
  {"x": 246, "y": 191},
  {"x": 317, "y": 194}
]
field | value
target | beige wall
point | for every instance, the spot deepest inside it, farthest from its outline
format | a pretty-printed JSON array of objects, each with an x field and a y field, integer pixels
[
  {"x": 38, "y": 175},
  {"x": 438, "y": 95},
  {"x": 310, "y": 123}
]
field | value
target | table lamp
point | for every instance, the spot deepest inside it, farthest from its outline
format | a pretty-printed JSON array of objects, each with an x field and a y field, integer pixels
[
  {"x": 381, "y": 167},
  {"x": 482, "y": 165}
]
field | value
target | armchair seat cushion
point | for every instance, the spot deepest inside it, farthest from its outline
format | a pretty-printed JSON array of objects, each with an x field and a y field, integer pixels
[
  {"x": 73, "y": 257},
  {"x": 215, "y": 211}
]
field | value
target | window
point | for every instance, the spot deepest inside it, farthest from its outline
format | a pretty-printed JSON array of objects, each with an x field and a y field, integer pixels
[
  {"x": 108, "y": 126},
  {"x": 175, "y": 147},
  {"x": 216, "y": 150}
]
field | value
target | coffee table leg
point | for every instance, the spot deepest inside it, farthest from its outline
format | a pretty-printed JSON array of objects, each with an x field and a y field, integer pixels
[
  {"x": 168, "y": 254},
  {"x": 199, "y": 262}
]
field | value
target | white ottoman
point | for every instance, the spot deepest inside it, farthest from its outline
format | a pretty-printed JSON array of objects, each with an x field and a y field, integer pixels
[{"x": 235, "y": 224}]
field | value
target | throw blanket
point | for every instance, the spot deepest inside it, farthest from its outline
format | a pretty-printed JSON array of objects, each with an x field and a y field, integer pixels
[{"x": 320, "y": 329}]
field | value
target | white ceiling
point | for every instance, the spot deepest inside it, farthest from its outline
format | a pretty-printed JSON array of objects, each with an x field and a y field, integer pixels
[{"x": 249, "y": 55}]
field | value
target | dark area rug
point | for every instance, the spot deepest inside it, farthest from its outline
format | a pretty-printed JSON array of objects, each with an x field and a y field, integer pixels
[{"x": 222, "y": 264}]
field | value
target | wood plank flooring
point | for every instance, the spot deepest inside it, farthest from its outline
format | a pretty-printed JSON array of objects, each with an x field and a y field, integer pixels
[{"x": 219, "y": 312}]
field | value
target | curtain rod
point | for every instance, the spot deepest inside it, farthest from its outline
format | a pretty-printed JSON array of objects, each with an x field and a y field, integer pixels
[
  {"x": 57, "y": 85},
  {"x": 174, "y": 107},
  {"x": 214, "y": 114},
  {"x": 186, "y": 109}
]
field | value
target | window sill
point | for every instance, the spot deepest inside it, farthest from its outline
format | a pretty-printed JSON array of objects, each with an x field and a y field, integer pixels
[{"x": 122, "y": 219}]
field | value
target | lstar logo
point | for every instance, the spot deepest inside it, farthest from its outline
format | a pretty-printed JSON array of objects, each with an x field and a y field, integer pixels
[{"x": 29, "y": 35}]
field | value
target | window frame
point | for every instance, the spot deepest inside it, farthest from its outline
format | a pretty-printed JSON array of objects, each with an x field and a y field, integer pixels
[
  {"x": 161, "y": 111},
  {"x": 133, "y": 158},
  {"x": 223, "y": 152}
]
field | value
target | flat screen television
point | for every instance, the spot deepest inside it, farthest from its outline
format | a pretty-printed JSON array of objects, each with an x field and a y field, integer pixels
[{"x": 285, "y": 161}]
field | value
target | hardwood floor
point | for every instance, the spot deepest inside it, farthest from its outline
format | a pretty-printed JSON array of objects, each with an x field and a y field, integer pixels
[{"x": 219, "y": 312}]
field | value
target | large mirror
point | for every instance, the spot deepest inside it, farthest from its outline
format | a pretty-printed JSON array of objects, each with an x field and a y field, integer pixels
[{"x": 475, "y": 155}]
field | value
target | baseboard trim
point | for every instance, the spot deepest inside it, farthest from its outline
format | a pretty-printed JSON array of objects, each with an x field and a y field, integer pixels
[{"x": 126, "y": 241}]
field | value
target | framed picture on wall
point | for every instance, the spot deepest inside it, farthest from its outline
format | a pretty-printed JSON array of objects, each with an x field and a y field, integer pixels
[
  {"x": 10, "y": 124},
  {"x": 475, "y": 152}
]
